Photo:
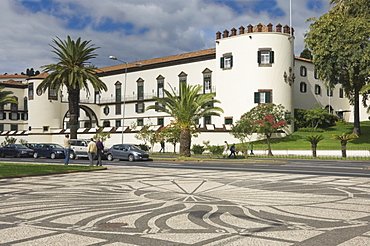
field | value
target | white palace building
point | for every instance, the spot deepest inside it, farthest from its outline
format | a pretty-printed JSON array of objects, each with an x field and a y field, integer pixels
[{"x": 246, "y": 67}]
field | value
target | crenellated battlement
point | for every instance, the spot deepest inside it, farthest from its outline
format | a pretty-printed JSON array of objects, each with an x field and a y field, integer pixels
[{"x": 257, "y": 28}]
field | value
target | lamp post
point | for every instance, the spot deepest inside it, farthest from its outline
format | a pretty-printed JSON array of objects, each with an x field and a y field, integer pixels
[{"x": 124, "y": 90}]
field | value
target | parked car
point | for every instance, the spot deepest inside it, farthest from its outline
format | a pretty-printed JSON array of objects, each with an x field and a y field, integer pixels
[
  {"x": 16, "y": 150},
  {"x": 49, "y": 150},
  {"x": 30, "y": 145},
  {"x": 129, "y": 152},
  {"x": 79, "y": 148}
]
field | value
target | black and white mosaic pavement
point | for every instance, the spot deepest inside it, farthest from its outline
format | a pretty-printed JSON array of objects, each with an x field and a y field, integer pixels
[{"x": 150, "y": 206}]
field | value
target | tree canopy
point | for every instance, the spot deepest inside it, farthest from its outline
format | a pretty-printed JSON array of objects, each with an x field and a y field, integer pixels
[
  {"x": 264, "y": 119},
  {"x": 340, "y": 44},
  {"x": 186, "y": 108},
  {"x": 74, "y": 71},
  {"x": 6, "y": 97}
]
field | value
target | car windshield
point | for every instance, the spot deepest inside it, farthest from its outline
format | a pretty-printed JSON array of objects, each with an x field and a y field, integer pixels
[
  {"x": 56, "y": 146},
  {"x": 135, "y": 147},
  {"x": 20, "y": 146}
]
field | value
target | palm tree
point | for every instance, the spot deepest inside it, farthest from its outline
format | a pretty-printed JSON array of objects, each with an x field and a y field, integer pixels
[
  {"x": 344, "y": 138},
  {"x": 5, "y": 97},
  {"x": 186, "y": 108},
  {"x": 73, "y": 71},
  {"x": 314, "y": 140}
]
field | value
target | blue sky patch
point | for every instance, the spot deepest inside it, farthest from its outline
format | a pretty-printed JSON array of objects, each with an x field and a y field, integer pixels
[
  {"x": 257, "y": 6},
  {"x": 79, "y": 20},
  {"x": 314, "y": 5}
]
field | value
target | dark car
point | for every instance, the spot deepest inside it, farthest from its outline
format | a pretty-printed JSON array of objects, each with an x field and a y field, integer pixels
[
  {"x": 49, "y": 150},
  {"x": 30, "y": 145},
  {"x": 129, "y": 152},
  {"x": 16, "y": 150}
]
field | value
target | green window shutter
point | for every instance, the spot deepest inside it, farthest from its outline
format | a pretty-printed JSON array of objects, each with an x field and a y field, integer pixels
[
  {"x": 256, "y": 97},
  {"x": 268, "y": 97},
  {"x": 259, "y": 57},
  {"x": 271, "y": 56},
  {"x": 231, "y": 61},
  {"x": 136, "y": 107},
  {"x": 222, "y": 62}
]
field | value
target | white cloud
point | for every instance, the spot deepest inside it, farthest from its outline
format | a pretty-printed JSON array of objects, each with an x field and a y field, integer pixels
[{"x": 159, "y": 28}]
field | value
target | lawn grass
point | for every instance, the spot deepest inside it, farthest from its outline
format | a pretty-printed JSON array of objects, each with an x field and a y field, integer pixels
[
  {"x": 22, "y": 169},
  {"x": 297, "y": 140}
]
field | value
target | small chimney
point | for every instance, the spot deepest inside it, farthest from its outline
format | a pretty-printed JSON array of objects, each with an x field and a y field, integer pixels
[
  {"x": 226, "y": 34},
  {"x": 233, "y": 32},
  {"x": 269, "y": 27},
  {"x": 278, "y": 27},
  {"x": 259, "y": 27},
  {"x": 286, "y": 29},
  {"x": 218, "y": 35},
  {"x": 250, "y": 28},
  {"x": 241, "y": 30}
]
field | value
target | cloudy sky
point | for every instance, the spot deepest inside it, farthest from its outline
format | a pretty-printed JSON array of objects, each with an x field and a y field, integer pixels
[{"x": 135, "y": 30}]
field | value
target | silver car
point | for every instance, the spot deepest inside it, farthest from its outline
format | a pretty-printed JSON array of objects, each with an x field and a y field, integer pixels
[{"x": 128, "y": 152}]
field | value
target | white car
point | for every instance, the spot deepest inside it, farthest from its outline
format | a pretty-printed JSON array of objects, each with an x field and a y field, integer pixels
[{"x": 79, "y": 148}]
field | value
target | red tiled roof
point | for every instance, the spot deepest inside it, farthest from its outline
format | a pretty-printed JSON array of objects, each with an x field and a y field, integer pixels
[
  {"x": 12, "y": 82},
  {"x": 161, "y": 59},
  {"x": 302, "y": 59},
  {"x": 40, "y": 76},
  {"x": 13, "y": 76}
]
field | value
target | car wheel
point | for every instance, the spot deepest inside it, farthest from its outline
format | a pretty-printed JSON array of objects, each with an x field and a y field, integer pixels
[
  {"x": 52, "y": 156},
  {"x": 72, "y": 155},
  {"x": 131, "y": 158},
  {"x": 18, "y": 155},
  {"x": 2, "y": 155},
  {"x": 35, "y": 155},
  {"x": 110, "y": 157}
]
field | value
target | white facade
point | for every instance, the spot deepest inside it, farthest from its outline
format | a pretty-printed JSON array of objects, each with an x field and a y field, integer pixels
[{"x": 244, "y": 69}]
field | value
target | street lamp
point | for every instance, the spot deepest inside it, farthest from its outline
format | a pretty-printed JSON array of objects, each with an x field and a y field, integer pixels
[{"x": 124, "y": 89}]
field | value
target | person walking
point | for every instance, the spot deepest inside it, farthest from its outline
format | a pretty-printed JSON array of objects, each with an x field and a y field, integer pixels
[
  {"x": 91, "y": 150},
  {"x": 232, "y": 150},
  {"x": 162, "y": 146},
  {"x": 100, "y": 149},
  {"x": 226, "y": 148},
  {"x": 67, "y": 149}
]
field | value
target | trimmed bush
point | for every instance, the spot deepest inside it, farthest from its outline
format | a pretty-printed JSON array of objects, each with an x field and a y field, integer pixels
[{"x": 197, "y": 149}]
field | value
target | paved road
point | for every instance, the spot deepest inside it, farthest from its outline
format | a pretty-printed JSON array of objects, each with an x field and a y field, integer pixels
[
  {"x": 151, "y": 205},
  {"x": 294, "y": 166}
]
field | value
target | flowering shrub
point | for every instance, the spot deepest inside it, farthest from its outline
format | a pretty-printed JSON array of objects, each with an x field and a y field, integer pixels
[{"x": 269, "y": 125}]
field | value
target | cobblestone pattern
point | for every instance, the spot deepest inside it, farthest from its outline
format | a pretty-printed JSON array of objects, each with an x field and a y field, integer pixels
[{"x": 149, "y": 206}]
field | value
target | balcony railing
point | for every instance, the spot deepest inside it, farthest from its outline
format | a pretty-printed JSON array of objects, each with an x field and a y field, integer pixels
[{"x": 129, "y": 98}]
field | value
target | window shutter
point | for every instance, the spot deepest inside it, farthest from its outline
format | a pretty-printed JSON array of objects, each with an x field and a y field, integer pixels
[
  {"x": 272, "y": 56},
  {"x": 136, "y": 107},
  {"x": 268, "y": 97},
  {"x": 10, "y": 116},
  {"x": 259, "y": 57},
  {"x": 156, "y": 104},
  {"x": 222, "y": 62},
  {"x": 4, "y": 116},
  {"x": 18, "y": 117},
  {"x": 256, "y": 97},
  {"x": 231, "y": 61}
]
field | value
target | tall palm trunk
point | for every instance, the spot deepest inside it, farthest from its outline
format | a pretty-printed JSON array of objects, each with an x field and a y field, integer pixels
[
  {"x": 185, "y": 142},
  {"x": 314, "y": 147},
  {"x": 344, "y": 148},
  {"x": 74, "y": 110}
]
